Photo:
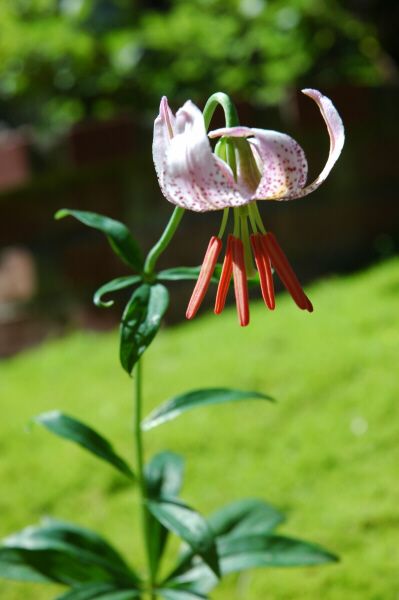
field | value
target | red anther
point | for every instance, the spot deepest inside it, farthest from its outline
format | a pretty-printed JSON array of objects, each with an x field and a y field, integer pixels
[
  {"x": 205, "y": 276},
  {"x": 309, "y": 306},
  {"x": 240, "y": 282},
  {"x": 225, "y": 277},
  {"x": 285, "y": 271},
  {"x": 264, "y": 269}
]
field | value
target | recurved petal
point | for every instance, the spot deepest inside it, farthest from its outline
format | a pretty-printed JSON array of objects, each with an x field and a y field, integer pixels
[
  {"x": 282, "y": 161},
  {"x": 336, "y": 132},
  {"x": 164, "y": 126},
  {"x": 193, "y": 177}
]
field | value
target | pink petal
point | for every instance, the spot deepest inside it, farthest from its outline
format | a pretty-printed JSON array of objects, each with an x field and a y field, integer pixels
[
  {"x": 239, "y": 131},
  {"x": 281, "y": 161},
  {"x": 193, "y": 177},
  {"x": 164, "y": 126},
  {"x": 336, "y": 132},
  {"x": 284, "y": 163}
]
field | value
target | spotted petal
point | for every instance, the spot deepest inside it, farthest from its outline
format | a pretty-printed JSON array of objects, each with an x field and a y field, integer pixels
[
  {"x": 336, "y": 132},
  {"x": 284, "y": 166},
  {"x": 281, "y": 161},
  {"x": 192, "y": 176}
]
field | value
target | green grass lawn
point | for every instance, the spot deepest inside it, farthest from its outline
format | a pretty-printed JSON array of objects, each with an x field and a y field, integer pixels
[{"x": 327, "y": 453}]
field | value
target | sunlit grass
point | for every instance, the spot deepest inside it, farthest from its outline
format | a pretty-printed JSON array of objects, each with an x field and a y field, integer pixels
[{"x": 327, "y": 453}]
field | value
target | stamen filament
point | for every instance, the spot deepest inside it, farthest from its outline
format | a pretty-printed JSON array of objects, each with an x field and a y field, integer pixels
[
  {"x": 236, "y": 230},
  {"x": 225, "y": 277},
  {"x": 246, "y": 243},
  {"x": 286, "y": 272},
  {"x": 258, "y": 217},
  {"x": 252, "y": 218},
  {"x": 223, "y": 223},
  {"x": 265, "y": 272},
  {"x": 205, "y": 276},
  {"x": 240, "y": 282}
]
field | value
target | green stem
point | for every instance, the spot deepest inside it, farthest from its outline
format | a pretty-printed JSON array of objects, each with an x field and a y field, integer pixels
[
  {"x": 164, "y": 241},
  {"x": 226, "y": 103},
  {"x": 138, "y": 439}
]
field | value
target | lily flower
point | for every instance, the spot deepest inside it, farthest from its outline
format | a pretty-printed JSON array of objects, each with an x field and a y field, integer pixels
[{"x": 246, "y": 166}]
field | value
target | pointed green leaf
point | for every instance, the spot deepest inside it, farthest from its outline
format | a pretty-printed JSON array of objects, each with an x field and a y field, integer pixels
[
  {"x": 118, "y": 235},
  {"x": 115, "y": 285},
  {"x": 186, "y": 274},
  {"x": 141, "y": 321},
  {"x": 240, "y": 518},
  {"x": 180, "y": 594},
  {"x": 247, "y": 552},
  {"x": 197, "y": 577},
  {"x": 15, "y": 564},
  {"x": 75, "y": 431},
  {"x": 241, "y": 553},
  {"x": 102, "y": 591},
  {"x": 68, "y": 554},
  {"x": 245, "y": 517},
  {"x": 163, "y": 476},
  {"x": 180, "y": 404},
  {"x": 85, "y": 592},
  {"x": 34, "y": 565},
  {"x": 120, "y": 595},
  {"x": 190, "y": 526}
]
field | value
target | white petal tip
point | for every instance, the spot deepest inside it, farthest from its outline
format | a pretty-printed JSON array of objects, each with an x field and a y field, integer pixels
[
  {"x": 164, "y": 105},
  {"x": 311, "y": 92}
]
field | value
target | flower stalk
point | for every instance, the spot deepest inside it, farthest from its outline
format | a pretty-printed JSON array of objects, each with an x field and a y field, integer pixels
[
  {"x": 230, "y": 112},
  {"x": 163, "y": 242}
]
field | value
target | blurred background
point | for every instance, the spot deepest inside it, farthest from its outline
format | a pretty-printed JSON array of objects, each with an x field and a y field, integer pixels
[{"x": 80, "y": 84}]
